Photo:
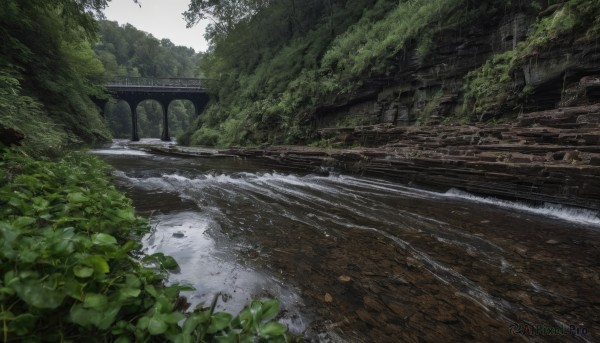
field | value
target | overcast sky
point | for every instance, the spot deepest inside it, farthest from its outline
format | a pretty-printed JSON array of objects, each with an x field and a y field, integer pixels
[{"x": 161, "y": 18}]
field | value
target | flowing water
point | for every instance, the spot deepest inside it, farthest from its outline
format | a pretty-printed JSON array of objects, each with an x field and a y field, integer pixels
[{"x": 360, "y": 259}]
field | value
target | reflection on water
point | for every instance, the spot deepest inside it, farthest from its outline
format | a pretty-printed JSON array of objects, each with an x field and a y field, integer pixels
[
  {"x": 368, "y": 259},
  {"x": 212, "y": 269}
]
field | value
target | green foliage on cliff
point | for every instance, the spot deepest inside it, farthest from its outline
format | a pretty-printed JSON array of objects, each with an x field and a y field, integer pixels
[
  {"x": 26, "y": 114},
  {"x": 488, "y": 88},
  {"x": 267, "y": 92},
  {"x": 266, "y": 74},
  {"x": 71, "y": 269},
  {"x": 274, "y": 67},
  {"x": 48, "y": 72}
]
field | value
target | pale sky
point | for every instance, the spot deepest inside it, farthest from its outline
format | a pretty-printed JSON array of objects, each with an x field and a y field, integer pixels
[{"x": 161, "y": 18}]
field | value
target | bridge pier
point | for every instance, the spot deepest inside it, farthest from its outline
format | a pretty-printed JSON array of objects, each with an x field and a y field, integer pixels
[
  {"x": 135, "y": 137},
  {"x": 133, "y": 103},
  {"x": 164, "y": 136}
]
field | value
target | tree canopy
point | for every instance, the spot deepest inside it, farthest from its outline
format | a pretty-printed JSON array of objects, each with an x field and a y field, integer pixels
[{"x": 223, "y": 14}]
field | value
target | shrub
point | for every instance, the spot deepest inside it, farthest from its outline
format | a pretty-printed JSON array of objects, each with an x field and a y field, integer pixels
[{"x": 205, "y": 137}]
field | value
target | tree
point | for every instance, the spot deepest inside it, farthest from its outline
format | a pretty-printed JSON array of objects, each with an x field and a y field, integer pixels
[
  {"x": 46, "y": 46},
  {"x": 224, "y": 14}
]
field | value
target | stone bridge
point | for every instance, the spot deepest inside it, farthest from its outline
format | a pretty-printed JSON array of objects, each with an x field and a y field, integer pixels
[{"x": 134, "y": 90}]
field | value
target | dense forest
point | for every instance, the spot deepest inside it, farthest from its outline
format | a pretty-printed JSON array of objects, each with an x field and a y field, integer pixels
[
  {"x": 48, "y": 71},
  {"x": 127, "y": 51},
  {"x": 276, "y": 65},
  {"x": 71, "y": 269}
]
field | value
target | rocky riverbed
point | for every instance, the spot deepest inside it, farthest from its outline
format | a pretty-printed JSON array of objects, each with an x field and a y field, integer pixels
[{"x": 374, "y": 260}]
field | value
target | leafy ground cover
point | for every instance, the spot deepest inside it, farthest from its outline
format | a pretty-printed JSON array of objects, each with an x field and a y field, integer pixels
[{"x": 71, "y": 270}]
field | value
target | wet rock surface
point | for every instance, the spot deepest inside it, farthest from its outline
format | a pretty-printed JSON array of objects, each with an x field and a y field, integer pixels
[
  {"x": 397, "y": 294},
  {"x": 543, "y": 156}
]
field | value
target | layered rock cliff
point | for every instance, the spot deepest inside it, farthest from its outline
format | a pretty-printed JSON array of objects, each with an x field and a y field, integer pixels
[
  {"x": 535, "y": 137},
  {"x": 420, "y": 90},
  {"x": 548, "y": 156}
]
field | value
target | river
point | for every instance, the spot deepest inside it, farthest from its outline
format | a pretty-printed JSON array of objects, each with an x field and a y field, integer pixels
[{"x": 356, "y": 259}]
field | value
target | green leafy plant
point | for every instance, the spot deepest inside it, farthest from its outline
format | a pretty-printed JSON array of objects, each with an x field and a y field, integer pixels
[
  {"x": 72, "y": 270},
  {"x": 489, "y": 86}
]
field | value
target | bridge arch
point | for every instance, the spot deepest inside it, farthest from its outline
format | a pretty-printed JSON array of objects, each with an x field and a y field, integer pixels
[{"x": 163, "y": 90}]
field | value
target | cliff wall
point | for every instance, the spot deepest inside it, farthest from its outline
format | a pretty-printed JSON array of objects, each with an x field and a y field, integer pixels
[{"x": 430, "y": 89}]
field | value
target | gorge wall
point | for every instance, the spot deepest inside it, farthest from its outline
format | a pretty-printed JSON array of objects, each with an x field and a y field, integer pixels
[
  {"x": 493, "y": 97},
  {"x": 536, "y": 138},
  {"x": 417, "y": 90}
]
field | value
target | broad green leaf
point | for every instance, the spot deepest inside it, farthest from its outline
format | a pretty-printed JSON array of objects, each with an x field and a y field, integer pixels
[
  {"x": 270, "y": 308},
  {"x": 40, "y": 204},
  {"x": 10, "y": 278},
  {"x": 84, "y": 317},
  {"x": 190, "y": 324},
  {"x": 126, "y": 214},
  {"x": 23, "y": 222},
  {"x": 173, "y": 318},
  {"x": 169, "y": 263},
  {"x": 125, "y": 293},
  {"x": 164, "y": 261},
  {"x": 73, "y": 288},
  {"x": 60, "y": 241},
  {"x": 271, "y": 329},
  {"x": 156, "y": 326},
  {"x": 103, "y": 239},
  {"x": 40, "y": 295},
  {"x": 98, "y": 263},
  {"x": 76, "y": 197},
  {"x": 163, "y": 304},
  {"x": 129, "y": 246},
  {"x": 87, "y": 316},
  {"x": 132, "y": 281},
  {"x": 28, "y": 256},
  {"x": 183, "y": 338},
  {"x": 82, "y": 271},
  {"x": 219, "y": 321},
  {"x": 143, "y": 322},
  {"x": 16, "y": 203},
  {"x": 108, "y": 316},
  {"x": 255, "y": 310},
  {"x": 95, "y": 301}
]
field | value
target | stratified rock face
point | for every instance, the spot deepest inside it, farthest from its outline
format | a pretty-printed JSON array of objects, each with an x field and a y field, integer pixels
[
  {"x": 549, "y": 156},
  {"x": 430, "y": 88},
  {"x": 549, "y": 152}
]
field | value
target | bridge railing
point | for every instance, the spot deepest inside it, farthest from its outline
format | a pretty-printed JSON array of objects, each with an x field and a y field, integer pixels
[{"x": 155, "y": 82}]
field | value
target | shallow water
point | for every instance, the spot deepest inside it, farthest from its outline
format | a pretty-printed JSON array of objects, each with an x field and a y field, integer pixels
[{"x": 362, "y": 259}]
